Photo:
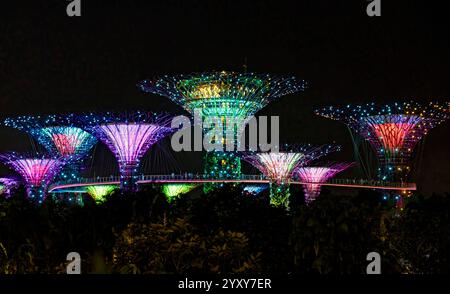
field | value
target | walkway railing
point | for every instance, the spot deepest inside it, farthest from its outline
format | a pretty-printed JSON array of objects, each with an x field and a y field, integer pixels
[{"x": 189, "y": 177}]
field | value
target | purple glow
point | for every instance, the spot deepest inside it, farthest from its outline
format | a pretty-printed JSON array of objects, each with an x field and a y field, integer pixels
[
  {"x": 36, "y": 172},
  {"x": 129, "y": 142},
  {"x": 318, "y": 175}
]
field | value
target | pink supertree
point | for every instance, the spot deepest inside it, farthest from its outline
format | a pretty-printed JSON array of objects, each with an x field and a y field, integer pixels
[
  {"x": 129, "y": 136},
  {"x": 36, "y": 171},
  {"x": 279, "y": 167},
  {"x": 314, "y": 175}
]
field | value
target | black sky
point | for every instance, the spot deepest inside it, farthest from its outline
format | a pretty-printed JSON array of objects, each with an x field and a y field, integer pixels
[{"x": 50, "y": 62}]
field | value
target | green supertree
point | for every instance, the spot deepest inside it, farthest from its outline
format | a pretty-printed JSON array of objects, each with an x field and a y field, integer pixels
[{"x": 229, "y": 96}]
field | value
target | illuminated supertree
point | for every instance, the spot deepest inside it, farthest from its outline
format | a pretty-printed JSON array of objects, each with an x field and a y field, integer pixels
[
  {"x": 280, "y": 166},
  {"x": 129, "y": 136},
  {"x": 60, "y": 135},
  {"x": 173, "y": 191},
  {"x": 392, "y": 130},
  {"x": 7, "y": 184},
  {"x": 36, "y": 171},
  {"x": 229, "y": 96},
  {"x": 318, "y": 174},
  {"x": 100, "y": 192}
]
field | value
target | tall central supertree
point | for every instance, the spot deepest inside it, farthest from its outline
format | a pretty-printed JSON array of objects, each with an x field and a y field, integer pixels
[
  {"x": 280, "y": 166},
  {"x": 36, "y": 171},
  {"x": 230, "y": 96},
  {"x": 128, "y": 135},
  {"x": 393, "y": 130},
  {"x": 314, "y": 175},
  {"x": 60, "y": 136}
]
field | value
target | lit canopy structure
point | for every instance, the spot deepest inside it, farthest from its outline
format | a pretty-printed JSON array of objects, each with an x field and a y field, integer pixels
[
  {"x": 100, "y": 192},
  {"x": 173, "y": 191},
  {"x": 280, "y": 166},
  {"x": 392, "y": 130},
  {"x": 60, "y": 136},
  {"x": 318, "y": 174},
  {"x": 36, "y": 171},
  {"x": 129, "y": 136},
  {"x": 229, "y": 96}
]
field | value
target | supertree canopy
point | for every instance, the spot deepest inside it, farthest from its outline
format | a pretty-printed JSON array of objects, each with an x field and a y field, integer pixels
[
  {"x": 129, "y": 136},
  {"x": 36, "y": 171},
  {"x": 392, "y": 130},
  {"x": 280, "y": 166},
  {"x": 99, "y": 192},
  {"x": 230, "y": 96},
  {"x": 60, "y": 135},
  {"x": 173, "y": 191},
  {"x": 318, "y": 174}
]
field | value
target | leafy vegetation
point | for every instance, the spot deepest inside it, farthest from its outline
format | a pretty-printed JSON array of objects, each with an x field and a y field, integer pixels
[{"x": 224, "y": 232}]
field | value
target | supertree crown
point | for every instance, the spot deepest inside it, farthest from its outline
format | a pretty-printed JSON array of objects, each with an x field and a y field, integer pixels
[
  {"x": 59, "y": 134},
  {"x": 223, "y": 93},
  {"x": 392, "y": 129},
  {"x": 280, "y": 165},
  {"x": 315, "y": 175},
  {"x": 128, "y": 135},
  {"x": 36, "y": 170}
]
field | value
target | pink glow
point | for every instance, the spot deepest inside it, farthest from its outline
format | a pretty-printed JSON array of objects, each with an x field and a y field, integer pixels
[
  {"x": 129, "y": 142},
  {"x": 66, "y": 144},
  {"x": 274, "y": 165},
  {"x": 317, "y": 175},
  {"x": 36, "y": 171}
]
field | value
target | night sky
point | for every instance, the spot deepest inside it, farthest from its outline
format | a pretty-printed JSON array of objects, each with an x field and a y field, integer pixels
[{"x": 51, "y": 63}]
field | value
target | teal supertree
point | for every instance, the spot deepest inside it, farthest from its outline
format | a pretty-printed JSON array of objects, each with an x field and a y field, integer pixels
[
  {"x": 60, "y": 136},
  {"x": 229, "y": 96}
]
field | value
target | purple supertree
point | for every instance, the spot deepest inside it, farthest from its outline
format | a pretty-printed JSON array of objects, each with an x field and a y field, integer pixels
[
  {"x": 317, "y": 175},
  {"x": 280, "y": 166},
  {"x": 37, "y": 172},
  {"x": 129, "y": 136}
]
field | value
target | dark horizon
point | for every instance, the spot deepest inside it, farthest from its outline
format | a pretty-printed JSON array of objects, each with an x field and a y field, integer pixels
[{"x": 51, "y": 63}]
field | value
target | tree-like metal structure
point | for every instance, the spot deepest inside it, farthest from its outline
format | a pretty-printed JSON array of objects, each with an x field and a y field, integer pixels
[
  {"x": 100, "y": 192},
  {"x": 174, "y": 191},
  {"x": 37, "y": 172},
  {"x": 393, "y": 130},
  {"x": 280, "y": 166},
  {"x": 230, "y": 96},
  {"x": 314, "y": 175},
  {"x": 60, "y": 136},
  {"x": 128, "y": 135}
]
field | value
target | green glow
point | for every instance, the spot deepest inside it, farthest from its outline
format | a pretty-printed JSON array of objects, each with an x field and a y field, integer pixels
[
  {"x": 99, "y": 193},
  {"x": 173, "y": 191},
  {"x": 2, "y": 189},
  {"x": 279, "y": 195}
]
